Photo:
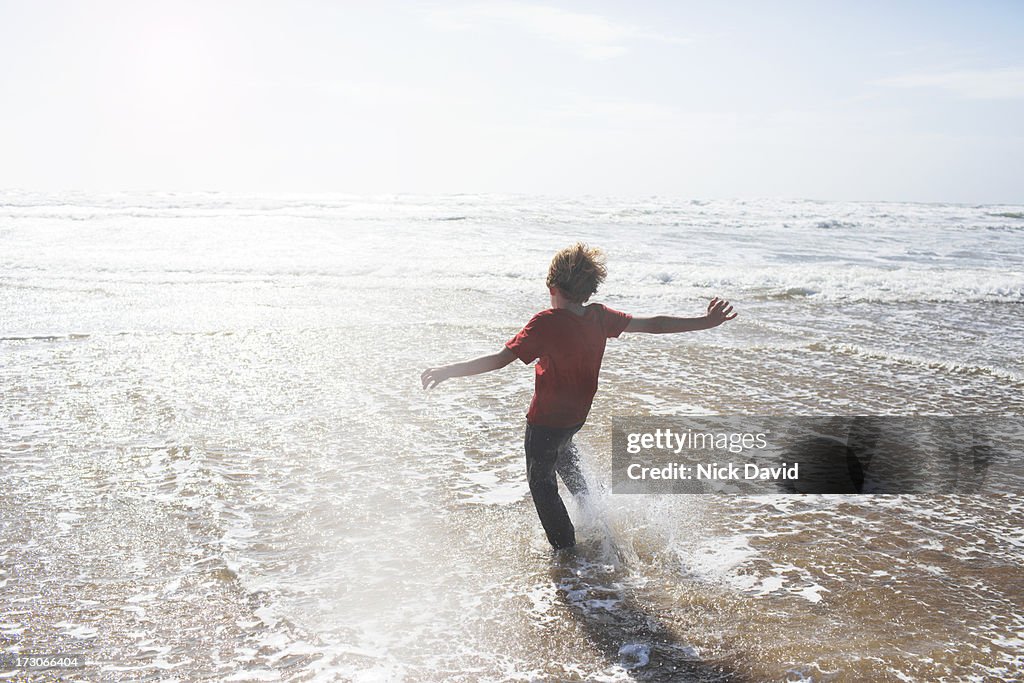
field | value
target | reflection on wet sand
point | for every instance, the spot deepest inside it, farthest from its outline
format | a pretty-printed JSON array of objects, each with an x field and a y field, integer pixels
[{"x": 592, "y": 582}]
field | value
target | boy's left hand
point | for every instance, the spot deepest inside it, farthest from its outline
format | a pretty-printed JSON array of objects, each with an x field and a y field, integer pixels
[{"x": 719, "y": 311}]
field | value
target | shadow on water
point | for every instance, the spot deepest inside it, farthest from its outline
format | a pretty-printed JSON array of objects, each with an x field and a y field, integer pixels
[{"x": 591, "y": 584}]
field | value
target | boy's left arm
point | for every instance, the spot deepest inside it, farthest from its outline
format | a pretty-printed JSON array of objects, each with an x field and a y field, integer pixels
[{"x": 719, "y": 311}]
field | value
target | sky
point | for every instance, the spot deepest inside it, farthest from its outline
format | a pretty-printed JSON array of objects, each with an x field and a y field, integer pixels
[{"x": 893, "y": 101}]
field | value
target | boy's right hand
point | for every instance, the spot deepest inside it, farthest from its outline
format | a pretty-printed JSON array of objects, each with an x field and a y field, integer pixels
[{"x": 431, "y": 377}]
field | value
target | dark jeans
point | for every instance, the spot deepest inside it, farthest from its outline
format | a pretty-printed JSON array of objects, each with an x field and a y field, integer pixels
[{"x": 550, "y": 450}]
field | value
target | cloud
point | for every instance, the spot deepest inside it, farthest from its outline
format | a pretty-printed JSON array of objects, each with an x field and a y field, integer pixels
[
  {"x": 975, "y": 84},
  {"x": 617, "y": 111},
  {"x": 591, "y": 36},
  {"x": 353, "y": 91}
]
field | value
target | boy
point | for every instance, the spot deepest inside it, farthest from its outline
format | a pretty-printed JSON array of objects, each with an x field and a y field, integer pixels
[{"x": 569, "y": 339}]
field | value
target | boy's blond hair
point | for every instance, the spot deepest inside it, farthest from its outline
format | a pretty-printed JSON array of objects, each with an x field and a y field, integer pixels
[{"x": 577, "y": 271}]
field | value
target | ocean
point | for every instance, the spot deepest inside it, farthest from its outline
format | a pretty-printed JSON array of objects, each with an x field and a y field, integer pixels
[{"x": 218, "y": 462}]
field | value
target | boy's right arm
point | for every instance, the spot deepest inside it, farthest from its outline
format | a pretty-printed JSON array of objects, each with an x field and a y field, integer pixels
[
  {"x": 431, "y": 377},
  {"x": 719, "y": 311}
]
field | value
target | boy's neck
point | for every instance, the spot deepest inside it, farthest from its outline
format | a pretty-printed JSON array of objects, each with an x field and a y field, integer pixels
[{"x": 559, "y": 301}]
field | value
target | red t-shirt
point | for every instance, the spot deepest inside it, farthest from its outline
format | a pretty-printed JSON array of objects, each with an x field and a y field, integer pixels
[{"x": 570, "y": 348}]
